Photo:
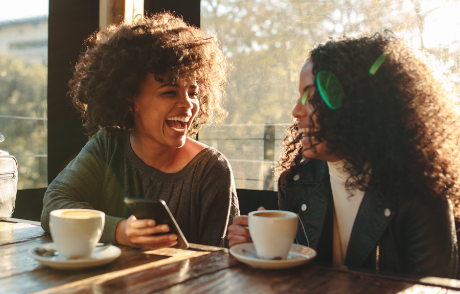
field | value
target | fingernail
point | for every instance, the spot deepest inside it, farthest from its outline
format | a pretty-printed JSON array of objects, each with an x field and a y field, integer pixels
[
  {"x": 151, "y": 223},
  {"x": 173, "y": 237},
  {"x": 173, "y": 243},
  {"x": 164, "y": 228}
]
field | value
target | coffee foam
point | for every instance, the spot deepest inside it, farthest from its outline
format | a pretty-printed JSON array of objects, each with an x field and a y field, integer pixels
[
  {"x": 270, "y": 214},
  {"x": 78, "y": 214}
]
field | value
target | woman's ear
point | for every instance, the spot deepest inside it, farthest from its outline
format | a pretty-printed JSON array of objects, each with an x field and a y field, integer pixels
[{"x": 132, "y": 105}]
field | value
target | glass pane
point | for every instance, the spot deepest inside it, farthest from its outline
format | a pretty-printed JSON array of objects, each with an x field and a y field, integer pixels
[
  {"x": 267, "y": 42},
  {"x": 23, "y": 83}
]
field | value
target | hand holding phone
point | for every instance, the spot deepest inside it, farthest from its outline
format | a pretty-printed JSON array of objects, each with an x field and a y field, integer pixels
[
  {"x": 158, "y": 211},
  {"x": 144, "y": 233}
]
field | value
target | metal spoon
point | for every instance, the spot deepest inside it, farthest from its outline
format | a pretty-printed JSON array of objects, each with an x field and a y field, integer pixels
[
  {"x": 255, "y": 255},
  {"x": 49, "y": 252}
]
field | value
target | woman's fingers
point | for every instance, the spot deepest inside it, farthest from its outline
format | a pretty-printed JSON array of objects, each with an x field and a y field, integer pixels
[
  {"x": 237, "y": 239},
  {"x": 154, "y": 241},
  {"x": 239, "y": 230},
  {"x": 241, "y": 220},
  {"x": 160, "y": 229},
  {"x": 140, "y": 223}
]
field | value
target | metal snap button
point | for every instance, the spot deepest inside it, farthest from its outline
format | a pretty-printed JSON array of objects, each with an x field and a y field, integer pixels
[
  {"x": 303, "y": 207},
  {"x": 387, "y": 212},
  {"x": 296, "y": 177}
]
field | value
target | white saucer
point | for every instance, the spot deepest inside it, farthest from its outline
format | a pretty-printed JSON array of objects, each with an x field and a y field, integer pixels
[
  {"x": 298, "y": 255},
  {"x": 100, "y": 256}
]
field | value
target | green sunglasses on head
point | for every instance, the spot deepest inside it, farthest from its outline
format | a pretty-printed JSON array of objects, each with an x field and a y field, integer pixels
[{"x": 329, "y": 86}]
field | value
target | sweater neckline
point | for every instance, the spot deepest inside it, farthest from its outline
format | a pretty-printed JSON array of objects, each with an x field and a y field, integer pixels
[{"x": 140, "y": 165}]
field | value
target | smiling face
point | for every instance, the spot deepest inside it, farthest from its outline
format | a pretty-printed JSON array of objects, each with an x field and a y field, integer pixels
[
  {"x": 163, "y": 112},
  {"x": 303, "y": 113}
]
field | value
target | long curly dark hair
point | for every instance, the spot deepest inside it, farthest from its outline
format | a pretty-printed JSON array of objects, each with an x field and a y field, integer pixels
[
  {"x": 116, "y": 62},
  {"x": 399, "y": 126}
]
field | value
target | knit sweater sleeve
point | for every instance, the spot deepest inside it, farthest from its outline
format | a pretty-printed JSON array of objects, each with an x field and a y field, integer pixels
[{"x": 80, "y": 185}]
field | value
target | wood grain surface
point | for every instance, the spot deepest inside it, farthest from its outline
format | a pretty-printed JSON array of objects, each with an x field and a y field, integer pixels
[{"x": 200, "y": 269}]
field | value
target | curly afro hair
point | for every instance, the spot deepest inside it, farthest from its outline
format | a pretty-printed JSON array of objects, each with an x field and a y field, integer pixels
[
  {"x": 399, "y": 126},
  {"x": 118, "y": 59}
]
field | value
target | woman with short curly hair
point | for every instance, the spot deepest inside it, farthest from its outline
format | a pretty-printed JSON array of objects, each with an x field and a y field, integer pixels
[
  {"x": 143, "y": 90},
  {"x": 370, "y": 164}
]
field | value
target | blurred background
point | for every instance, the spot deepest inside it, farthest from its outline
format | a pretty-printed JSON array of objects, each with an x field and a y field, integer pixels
[{"x": 266, "y": 41}]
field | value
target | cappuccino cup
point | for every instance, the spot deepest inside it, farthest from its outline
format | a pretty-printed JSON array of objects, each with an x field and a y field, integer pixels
[
  {"x": 273, "y": 232},
  {"x": 76, "y": 232}
]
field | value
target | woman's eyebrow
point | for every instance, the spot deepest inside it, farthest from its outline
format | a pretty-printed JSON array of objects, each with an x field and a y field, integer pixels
[
  {"x": 176, "y": 86},
  {"x": 169, "y": 85}
]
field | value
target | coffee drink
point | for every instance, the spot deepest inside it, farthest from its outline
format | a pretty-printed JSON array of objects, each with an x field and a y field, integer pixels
[
  {"x": 273, "y": 232},
  {"x": 76, "y": 232}
]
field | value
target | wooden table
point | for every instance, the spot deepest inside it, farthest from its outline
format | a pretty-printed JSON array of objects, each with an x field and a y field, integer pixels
[{"x": 201, "y": 269}]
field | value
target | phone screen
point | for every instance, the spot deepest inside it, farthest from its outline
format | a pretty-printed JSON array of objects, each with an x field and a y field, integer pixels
[{"x": 158, "y": 211}]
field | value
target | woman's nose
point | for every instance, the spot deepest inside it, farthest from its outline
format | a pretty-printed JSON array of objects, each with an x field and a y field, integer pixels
[
  {"x": 299, "y": 110},
  {"x": 186, "y": 101}
]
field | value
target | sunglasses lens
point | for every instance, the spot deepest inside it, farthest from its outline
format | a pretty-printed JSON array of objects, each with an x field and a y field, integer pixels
[{"x": 330, "y": 89}]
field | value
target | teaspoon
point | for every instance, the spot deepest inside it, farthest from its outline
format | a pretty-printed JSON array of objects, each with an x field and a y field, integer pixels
[{"x": 49, "y": 252}]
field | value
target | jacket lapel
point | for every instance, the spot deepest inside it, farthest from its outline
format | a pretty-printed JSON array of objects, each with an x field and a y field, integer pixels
[
  {"x": 314, "y": 219},
  {"x": 374, "y": 216}
]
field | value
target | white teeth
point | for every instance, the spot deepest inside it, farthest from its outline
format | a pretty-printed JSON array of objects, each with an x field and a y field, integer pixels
[
  {"x": 305, "y": 131},
  {"x": 177, "y": 118},
  {"x": 179, "y": 130}
]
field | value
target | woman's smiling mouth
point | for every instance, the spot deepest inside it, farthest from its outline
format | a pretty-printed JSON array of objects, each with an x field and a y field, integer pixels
[{"x": 178, "y": 123}]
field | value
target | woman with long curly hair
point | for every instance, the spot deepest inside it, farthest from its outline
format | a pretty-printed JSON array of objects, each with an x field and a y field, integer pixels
[
  {"x": 143, "y": 90},
  {"x": 371, "y": 162}
]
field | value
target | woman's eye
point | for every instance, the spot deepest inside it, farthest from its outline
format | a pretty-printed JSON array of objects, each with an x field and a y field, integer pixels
[
  {"x": 169, "y": 93},
  {"x": 194, "y": 95}
]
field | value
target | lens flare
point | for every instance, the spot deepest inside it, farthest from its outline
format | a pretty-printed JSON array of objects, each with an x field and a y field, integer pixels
[
  {"x": 330, "y": 89},
  {"x": 377, "y": 64},
  {"x": 305, "y": 95}
]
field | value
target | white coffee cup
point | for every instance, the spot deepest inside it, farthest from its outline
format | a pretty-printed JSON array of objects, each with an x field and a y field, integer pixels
[
  {"x": 76, "y": 231},
  {"x": 273, "y": 232}
]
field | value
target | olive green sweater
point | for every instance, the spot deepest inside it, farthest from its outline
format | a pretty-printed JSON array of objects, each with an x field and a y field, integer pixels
[{"x": 202, "y": 196}]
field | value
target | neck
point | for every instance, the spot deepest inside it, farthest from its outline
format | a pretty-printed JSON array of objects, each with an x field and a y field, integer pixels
[{"x": 164, "y": 158}]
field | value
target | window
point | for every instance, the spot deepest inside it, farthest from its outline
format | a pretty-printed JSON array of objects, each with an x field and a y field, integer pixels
[
  {"x": 267, "y": 41},
  {"x": 23, "y": 87}
]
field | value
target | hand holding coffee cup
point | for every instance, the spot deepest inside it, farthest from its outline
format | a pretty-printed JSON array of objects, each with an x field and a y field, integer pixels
[
  {"x": 273, "y": 232},
  {"x": 76, "y": 231}
]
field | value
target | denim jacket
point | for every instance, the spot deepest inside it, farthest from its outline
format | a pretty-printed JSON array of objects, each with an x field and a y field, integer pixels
[{"x": 415, "y": 237}]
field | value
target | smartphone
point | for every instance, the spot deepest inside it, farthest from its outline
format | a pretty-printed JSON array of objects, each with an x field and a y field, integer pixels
[{"x": 158, "y": 211}]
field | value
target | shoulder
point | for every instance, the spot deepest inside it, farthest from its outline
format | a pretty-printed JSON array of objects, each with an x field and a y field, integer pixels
[
  {"x": 211, "y": 166},
  {"x": 307, "y": 171},
  {"x": 416, "y": 209},
  {"x": 421, "y": 204},
  {"x": 214, "y": 159},
  {"x": 104, "y": 140}
]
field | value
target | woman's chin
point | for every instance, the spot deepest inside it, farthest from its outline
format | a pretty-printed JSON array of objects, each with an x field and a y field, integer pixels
[{"x": 309, "y": 154}]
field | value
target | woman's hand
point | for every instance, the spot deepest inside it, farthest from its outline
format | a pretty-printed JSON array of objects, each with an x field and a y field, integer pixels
[
  {"x": 140, "y": 233},
  {"x": 238, "y": 232}
]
